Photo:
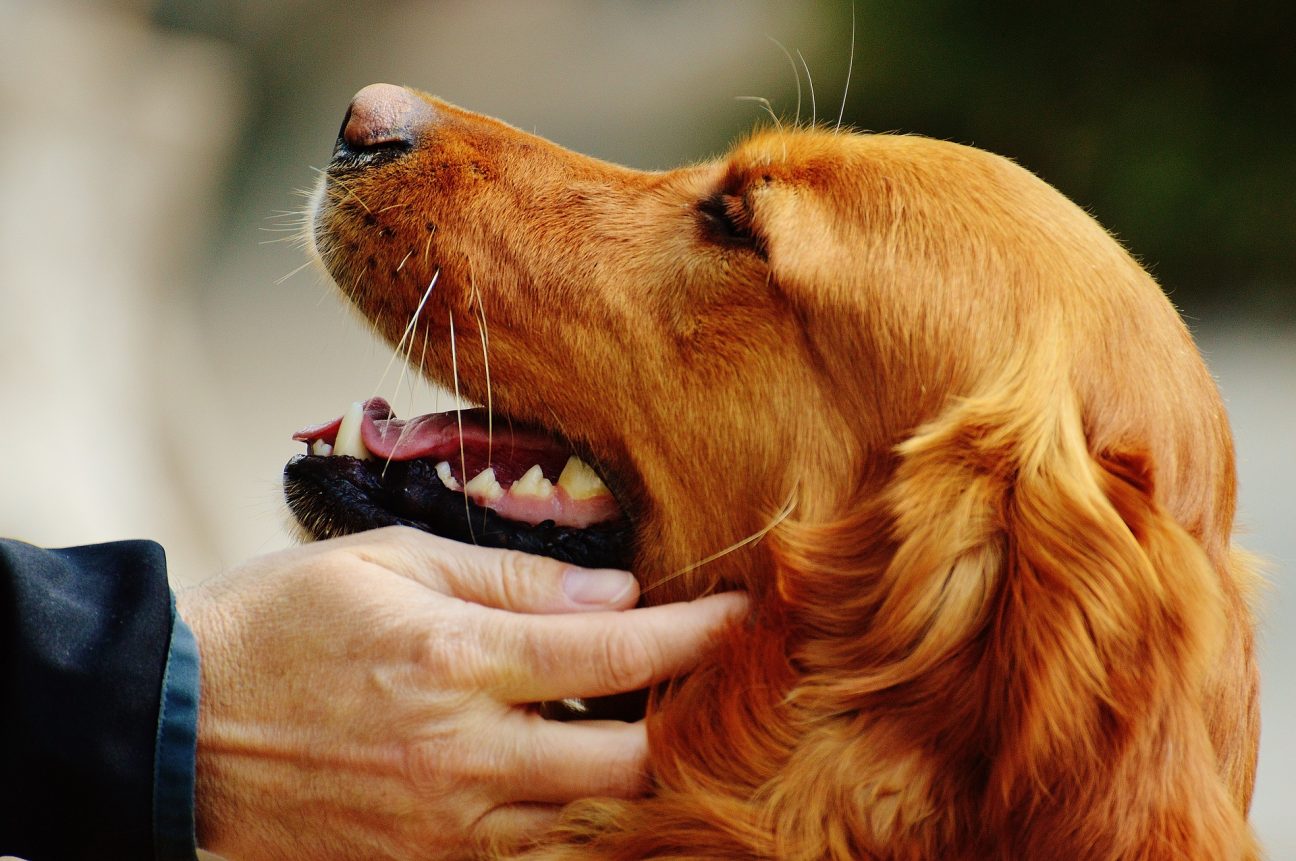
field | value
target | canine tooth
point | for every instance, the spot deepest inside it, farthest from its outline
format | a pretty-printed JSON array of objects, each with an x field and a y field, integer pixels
[
  {"x": 532, "y": 484},
  {"x": 484, "y": 485},
  {"x": 580, "y": 481},
  {"x": 447, "y": 477},
  {"x": 348, "y": 436},
  {"x": 321, "y": 448}
]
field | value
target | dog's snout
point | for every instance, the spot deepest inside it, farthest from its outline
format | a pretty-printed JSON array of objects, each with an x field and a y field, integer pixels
[{"x": 381, "y": 118}]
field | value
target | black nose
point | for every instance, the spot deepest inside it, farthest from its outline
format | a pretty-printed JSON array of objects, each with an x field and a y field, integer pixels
[{"x": 382, "y": 119}]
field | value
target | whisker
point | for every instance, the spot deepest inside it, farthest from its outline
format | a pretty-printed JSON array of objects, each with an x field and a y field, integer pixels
[
  {"x": 404, "y": 260},
  {"x": 406, "y": 346},
  {"x": 765, "y": 103},
  {"x": 423, "y": 353},
  {"x": 783, "y": 514},
  {"x": 463, "y": 457},
  {"x": 348, "y": 188},
  {"x": 407, "y": 355},
  {"x": 284, "y": 278},
  {"x": 796, "y": 73},
  {"x": 814, "y": 110},
  {"x": 850, "y": 69},
  {"x": 490, "y": 410},
  {"x": 409, "y": 329}
]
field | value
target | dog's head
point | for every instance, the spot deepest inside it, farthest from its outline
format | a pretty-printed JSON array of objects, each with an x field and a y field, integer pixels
[
  {"x": 750, "y": 335},
  {"x": 986, "y": 464}
]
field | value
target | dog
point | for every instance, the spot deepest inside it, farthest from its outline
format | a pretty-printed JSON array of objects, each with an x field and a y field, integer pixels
[{"x": 952, "y": 439}]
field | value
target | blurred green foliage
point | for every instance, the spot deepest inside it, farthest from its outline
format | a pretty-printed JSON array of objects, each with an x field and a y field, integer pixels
[{"x": 1174, "y": 124}]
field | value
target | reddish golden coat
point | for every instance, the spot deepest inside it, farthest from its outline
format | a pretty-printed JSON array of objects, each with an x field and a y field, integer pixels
[{"x": 1003, "y": 619}]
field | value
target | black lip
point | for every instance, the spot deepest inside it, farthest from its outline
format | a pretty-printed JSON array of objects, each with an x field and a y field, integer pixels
[{"x": 339, "y": 495}]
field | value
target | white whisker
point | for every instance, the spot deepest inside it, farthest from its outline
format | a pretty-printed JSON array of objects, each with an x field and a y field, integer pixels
[
  {"x": 284, "y": 278},
  {"x": 405, "y": 346},
  {"x": 409, "y": 329},
  {"x": 850, "y": 69},
  {"x": 463, "y": 456},
  {"x": 783, "y": 514},
  {"x": 765, "y": 103},
  {"x": 423, "y": 353},
  {"x": 796, "y": 73},
  {"x": 490, "y": 410},
  {"x": 348, "y": 189},
  {"x": 814, "y": 109}
]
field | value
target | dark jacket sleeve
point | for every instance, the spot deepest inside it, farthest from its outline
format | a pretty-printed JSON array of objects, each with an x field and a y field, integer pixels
[{"x": 85, "y": 635}]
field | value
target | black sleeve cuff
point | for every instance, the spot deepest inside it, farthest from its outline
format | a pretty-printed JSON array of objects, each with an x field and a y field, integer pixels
[{"x": 84, "y": 638}]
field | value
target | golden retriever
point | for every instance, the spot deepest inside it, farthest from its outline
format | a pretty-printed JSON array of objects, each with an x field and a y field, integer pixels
[{"x": 952, "y": 439}]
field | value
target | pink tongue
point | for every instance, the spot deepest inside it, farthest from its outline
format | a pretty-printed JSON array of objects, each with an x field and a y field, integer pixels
[
  {"x": 509, "y": 451},
  {"x": 512, "y": 451}
]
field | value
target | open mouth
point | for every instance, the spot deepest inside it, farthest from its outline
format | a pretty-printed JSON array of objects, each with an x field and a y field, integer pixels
[{"x": 460, "y": 475}]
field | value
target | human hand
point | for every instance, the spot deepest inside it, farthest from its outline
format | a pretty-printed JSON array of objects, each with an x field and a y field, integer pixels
[{"x": 365, "y": 697}]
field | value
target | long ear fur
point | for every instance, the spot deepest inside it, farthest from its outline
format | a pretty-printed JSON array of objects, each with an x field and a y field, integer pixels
[
  {"x": 1028, "y": 670},
  {"x": 1004, "y": 654}
]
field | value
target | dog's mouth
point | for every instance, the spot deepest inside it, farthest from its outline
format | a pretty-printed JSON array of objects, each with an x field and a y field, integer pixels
[{"x": 461, "y": 474}]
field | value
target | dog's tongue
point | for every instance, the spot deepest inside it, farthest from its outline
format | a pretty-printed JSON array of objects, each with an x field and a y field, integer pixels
[
  {"x": 436, "y": 435},
  {"x": 520, "y": 473}
]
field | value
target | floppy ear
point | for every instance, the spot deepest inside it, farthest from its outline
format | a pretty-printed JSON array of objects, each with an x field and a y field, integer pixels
[{"x": 1023, "y": 653}]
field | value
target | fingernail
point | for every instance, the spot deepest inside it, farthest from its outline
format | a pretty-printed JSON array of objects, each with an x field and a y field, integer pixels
[{"x": 585, "y": 586}]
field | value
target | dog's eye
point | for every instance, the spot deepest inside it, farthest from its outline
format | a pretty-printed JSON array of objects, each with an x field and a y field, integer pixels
[{"x": 726, "y": 220}]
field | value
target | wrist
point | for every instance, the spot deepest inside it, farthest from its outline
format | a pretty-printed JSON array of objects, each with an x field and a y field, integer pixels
[{"x": 174, "y": 750}]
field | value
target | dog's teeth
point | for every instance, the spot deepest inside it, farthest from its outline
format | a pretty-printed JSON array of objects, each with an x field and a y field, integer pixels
[
  {"x": 319, "y": 448},
  {"x": 580, "y": 481},
  {"x": 484, "y": 486},
  {"x": 532, "y": 484},
  {"x": 447, "y": 477},
  {"x": 348, "y": 440}
]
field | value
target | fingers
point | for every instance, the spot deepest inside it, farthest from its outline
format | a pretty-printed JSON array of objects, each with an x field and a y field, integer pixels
[
  {"x": 561, "y": 762},
  {"x": 593, "y": 654},
  {"x": 550, "y": 764},
  {"x": 504, "y": 579}
]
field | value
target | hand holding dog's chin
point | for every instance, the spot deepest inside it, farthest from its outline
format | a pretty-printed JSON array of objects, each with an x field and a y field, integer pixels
[{"x": 366, "y": 697}]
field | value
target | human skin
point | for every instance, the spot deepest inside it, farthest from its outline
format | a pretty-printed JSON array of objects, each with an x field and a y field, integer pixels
[{"x": 368, "y": 697}]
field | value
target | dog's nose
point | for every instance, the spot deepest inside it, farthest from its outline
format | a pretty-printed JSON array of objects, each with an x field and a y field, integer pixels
[{"x": 382, "y": 117}]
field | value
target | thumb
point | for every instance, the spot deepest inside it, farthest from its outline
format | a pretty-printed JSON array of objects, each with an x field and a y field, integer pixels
[{"x": 508, "y": 579}]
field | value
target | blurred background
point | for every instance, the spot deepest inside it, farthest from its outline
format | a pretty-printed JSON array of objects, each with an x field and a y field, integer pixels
[{"x": 159, "y": 342}]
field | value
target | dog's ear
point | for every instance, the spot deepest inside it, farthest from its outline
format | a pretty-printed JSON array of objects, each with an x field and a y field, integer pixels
[{"x": 1026, "y": 615}]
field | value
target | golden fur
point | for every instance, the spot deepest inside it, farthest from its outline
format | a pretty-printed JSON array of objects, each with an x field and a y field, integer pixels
[{"x": 1003, "y": 618}]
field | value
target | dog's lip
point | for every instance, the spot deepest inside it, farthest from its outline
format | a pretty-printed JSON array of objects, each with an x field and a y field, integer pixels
[{"x": 523, "y": 473}]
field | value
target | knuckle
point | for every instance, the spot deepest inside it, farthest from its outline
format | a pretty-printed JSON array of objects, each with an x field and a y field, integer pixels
[
  {"x": 514, "y": 577},
  {"x": 334, "y": 571},
  {"x": 428, "y": 766},
  {"x": 630, "y": 660},
  {"x": 447, "y": 757},
  {"x": 448, "y": 652},
  {"x": 438, "y": 767},
  {"x": 518, "y": 580}
]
